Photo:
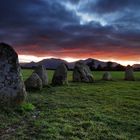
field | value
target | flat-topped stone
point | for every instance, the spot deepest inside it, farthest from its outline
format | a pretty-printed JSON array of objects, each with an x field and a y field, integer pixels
[
  {"x": 129, "y": 73},
  {"x": 60, "y": 75}
]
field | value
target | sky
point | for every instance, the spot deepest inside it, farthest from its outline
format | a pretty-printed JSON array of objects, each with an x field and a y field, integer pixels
[{"x": 107, "y": 30}]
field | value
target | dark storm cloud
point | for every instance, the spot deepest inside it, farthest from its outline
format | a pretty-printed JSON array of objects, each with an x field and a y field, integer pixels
[
  {"x": 54, "y": 27},
  {"x": 109, "y": 6},
  {"x": 32, "y": 19}
]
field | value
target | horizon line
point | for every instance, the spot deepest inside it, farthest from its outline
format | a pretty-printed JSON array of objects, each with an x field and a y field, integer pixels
[{"x": 32, "y": 58}]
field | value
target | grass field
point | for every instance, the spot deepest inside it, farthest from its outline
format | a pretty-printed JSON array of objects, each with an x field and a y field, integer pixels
[{"x": 97, "y": 111}]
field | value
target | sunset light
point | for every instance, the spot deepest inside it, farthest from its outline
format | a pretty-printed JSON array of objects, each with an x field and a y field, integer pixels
[
  {"x": 70, "y": 69},
  {"x": 72, "y": 30},
  {"x": 30, "y": 58}
]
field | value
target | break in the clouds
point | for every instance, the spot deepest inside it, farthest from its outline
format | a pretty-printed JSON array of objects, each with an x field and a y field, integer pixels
[{"x": 103, "y": 29}]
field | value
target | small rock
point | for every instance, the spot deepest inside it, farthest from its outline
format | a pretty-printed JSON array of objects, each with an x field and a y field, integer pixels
[
  {"x": 107, "y": 76},
  {"x": 33, "y": 82}
]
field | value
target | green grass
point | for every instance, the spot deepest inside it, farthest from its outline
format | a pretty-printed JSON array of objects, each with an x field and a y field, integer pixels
[{"x": 96, "y": 111}]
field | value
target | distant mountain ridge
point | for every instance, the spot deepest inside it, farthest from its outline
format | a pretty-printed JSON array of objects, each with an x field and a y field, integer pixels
[
  {"x": 53, "y": 63},
  {"x": 136, "y": 66}
]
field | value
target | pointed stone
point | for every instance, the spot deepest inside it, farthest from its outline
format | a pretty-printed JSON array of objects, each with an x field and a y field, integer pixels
[
  {"x": 42, "y": 73},
  {"x": 33, "y": 82},
  {"x": 12, "y": 89}
]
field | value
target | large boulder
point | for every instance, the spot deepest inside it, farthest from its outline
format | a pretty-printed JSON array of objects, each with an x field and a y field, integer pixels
[
  {"x": 60, "y": 75},
  {"x": 82, "y": 73},
  {"x": 33, "y": 82},
  {"x": 12, "y": 89},
  {"x": 42, "y": 73},
  {"x": 129, "y": 73},
  {"x": 107, "y": 76}
]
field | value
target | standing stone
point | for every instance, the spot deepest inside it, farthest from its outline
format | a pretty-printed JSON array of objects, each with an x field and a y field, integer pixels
[
  {"x": 12, "y": 89},
  {"x": 60, "y": 75},
  {"x": 33, "y": 82},
  {"x": 129, "y": 74},
  {"x": 107, "y": 76},
  {"x": 42, "y": 73},
  {"x": 82, "y": 73}
]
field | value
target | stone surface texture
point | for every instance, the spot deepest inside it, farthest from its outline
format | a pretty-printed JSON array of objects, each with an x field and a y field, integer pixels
[
  {"x": 82, "y": 73},
  {"x": 12, "y": 89},
  {"x": 60, "y": 75}
]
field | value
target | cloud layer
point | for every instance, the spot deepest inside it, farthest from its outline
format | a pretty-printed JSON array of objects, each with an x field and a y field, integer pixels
[{"x": 104, "y": 29}]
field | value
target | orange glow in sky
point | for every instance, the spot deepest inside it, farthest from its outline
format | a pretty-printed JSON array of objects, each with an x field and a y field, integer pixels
[{"x": 29, "y": 58}]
